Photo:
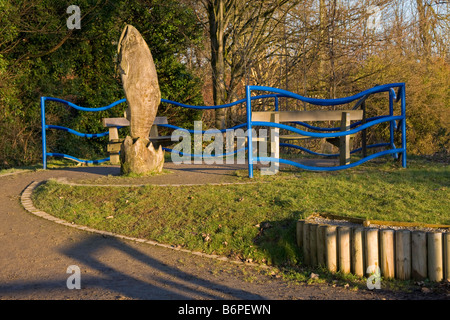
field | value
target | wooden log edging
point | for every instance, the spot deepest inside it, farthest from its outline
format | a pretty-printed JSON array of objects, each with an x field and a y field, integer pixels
[
  {"x": 399, "y": 253},
  {"x": 387, "y": 253},
  {"x": 331, "y": 248},
  {"x": 343, "y": 245},
  {"x": 357, "y": 251},
  {"x": 419, "y": 267}
]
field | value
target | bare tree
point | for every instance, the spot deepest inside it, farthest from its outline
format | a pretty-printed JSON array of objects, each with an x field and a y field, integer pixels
[{"x": 238, "y": 32}]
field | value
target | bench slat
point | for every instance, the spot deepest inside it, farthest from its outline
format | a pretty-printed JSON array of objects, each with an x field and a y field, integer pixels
[
  {"x": 160, "y": 120},
  {"x": 123, "y": 122},
  {"x": 115, "y": 122},
  {"x": 313, "y": 115},
  {"x": 295, "y": 137},
  {"x": 159, "y": 138}
]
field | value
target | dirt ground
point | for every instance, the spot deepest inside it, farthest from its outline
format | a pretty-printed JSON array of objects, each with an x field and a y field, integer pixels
[{"x": 35, "y": 254}]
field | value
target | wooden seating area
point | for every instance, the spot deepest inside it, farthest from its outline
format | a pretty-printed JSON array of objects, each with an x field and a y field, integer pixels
[
  {"x": 115, "y": 142},
  {"x": 344, "y": 116}
]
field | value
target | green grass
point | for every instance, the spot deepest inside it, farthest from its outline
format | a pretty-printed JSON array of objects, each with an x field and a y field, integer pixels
[
  {"x": 51, "y": 164},
  {"x": 256, "y": 221}
]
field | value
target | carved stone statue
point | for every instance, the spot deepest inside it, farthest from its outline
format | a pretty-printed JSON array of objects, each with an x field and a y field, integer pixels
[{"x": 140, "y": 83}]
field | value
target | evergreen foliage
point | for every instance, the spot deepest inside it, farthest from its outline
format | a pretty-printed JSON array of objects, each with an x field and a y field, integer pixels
[{"x": 40, "y": 56}]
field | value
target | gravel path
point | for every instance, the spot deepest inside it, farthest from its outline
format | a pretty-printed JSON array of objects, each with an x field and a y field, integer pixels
[{"x": 35, "y": 254}]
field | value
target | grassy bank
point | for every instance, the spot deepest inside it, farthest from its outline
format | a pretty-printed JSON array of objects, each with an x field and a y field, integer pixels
[{"x": 255, "y": 222}]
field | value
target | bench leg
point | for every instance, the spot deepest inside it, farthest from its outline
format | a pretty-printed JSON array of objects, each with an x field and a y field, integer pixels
[
  {"x": 114, "y": 158},
  {"x": 274, "y": 147},
  {"x": 275, "y": 142},
  {"x": 344, "y": 145}
]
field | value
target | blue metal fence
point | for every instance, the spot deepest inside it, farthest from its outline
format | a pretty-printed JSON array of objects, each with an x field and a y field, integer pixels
[
  {"x": 275, "y": 94},
  {"x": 391, "y": 118},
  {"x": 45, "y": 126}
]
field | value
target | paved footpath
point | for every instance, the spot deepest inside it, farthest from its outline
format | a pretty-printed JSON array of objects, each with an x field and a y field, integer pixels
[{"x": 35, "y": 254}]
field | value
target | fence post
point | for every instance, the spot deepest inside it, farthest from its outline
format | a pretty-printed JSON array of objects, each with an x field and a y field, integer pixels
[
  {"x": 249, "y": 131},
  {"x": 364, "y": 132},
  {"x": 44, "y": 138},
  {"x": 403, "y": 107},
  {"x": 391, "y": 123}
]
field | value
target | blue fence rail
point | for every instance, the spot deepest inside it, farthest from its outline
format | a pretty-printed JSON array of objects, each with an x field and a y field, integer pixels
[
  {"x": 275, "y": 94},
  {"x": 45, "y": 126},
  {"x": 391, "y": 118}
]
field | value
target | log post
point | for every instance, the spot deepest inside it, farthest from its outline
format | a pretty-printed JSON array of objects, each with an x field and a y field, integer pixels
[
  {"x": 371, "y": 245},
  {"x": 403, "y": 254},
  {"x": 299, "y": 233},
  {"x": 331, "y": 248},
  {"x": 419, "y": 255},
  {"x": 306, "y": 249},
  {"x": 321, "y": 238},
  {"x": 435, "y": 270},
  {"x": 344, "y": 249},
  {"x": 357, "y": 251},
  {"x": 313, "y": 243},
  {"x": 446, "y": 245},
  {"x": 387, "y": 257}
]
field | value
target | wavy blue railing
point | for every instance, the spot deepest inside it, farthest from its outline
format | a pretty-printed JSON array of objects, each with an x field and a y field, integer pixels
[
  {"x": 45, "y": 126},
  {"x": 357, "y": 127},
  {"x": 276, "y": 94}
]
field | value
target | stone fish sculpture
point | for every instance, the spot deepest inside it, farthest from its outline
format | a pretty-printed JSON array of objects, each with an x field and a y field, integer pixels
[{"x": 140, "y": 83}]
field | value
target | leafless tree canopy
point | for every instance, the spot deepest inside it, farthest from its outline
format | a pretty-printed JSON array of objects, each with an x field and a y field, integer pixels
[{"x": 327, "y": 49}]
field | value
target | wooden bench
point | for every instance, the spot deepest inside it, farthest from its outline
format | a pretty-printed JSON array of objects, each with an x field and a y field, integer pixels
[
  {"x": 344, "y": 116},
  {"x": 115, "y": 142}
]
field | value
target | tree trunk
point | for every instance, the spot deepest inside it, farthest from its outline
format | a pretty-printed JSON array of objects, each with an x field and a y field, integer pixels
[
  {"x": 217, "y": 31},
  {"x": 423, "y": 10},
  {"x": 323, "y": 39}
]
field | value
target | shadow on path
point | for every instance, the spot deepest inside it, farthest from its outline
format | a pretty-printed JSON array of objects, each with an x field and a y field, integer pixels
[
  {"x": 162, "y": 281},
  {"x": 145, "y": 277}
]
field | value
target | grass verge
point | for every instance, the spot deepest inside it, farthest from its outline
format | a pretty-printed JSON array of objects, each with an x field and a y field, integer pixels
[{"x": 256, "y": 222}]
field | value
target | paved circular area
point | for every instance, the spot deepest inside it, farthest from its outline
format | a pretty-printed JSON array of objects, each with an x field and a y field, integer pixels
[{"x": 35, "y": 254}]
